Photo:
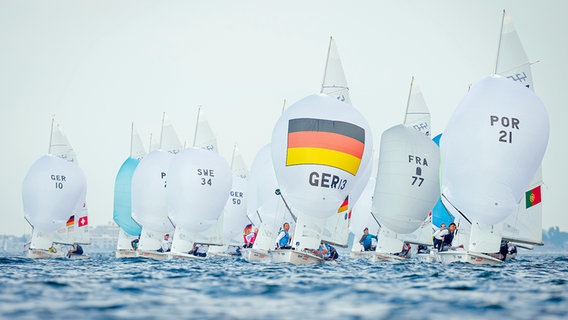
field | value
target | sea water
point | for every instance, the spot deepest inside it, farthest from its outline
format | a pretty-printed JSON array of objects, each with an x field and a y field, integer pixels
[{"x": 533, "y": 286}]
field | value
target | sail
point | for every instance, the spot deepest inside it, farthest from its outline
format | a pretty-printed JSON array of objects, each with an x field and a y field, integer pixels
[
  {"x": 51, "y": 190},
  {"x": 336, "y": 227},
  {"x": 417, "y": 115},
  {"x": 497, "y": 123},
  {"x": 124, "y": 241},
  {"x": 361, "y": 217},
  {"x": 137, "y": 150},
  {"x": 169, "y": 140},
  {"x": 525, "y": 224},
  {"x": 204, "y": 137},
  {"x": 149, "y": 204},
  {"x": 512, "y": 61},
  {"x": 308, "y": 232},
  {"x": 320, "y": 147},
  {"x": 81, "y": 233},
  {"x": 59, "y": 145},
  {"x": 407, "y": 185},
  {"x": 198, "y": 188},
  {"x": 122, "y": 212},
  {"x": 334, "y": 83},
  {"x": 238, "y": 165},
  {"x": 439, "y": 213},
  {"x": 235, "y": 211}
]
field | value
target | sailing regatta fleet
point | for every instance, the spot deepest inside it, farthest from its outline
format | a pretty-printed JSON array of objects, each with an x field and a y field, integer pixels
[{"x": 317, "y": 175}]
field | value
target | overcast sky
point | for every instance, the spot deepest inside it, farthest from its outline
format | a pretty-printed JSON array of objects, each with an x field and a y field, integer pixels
[{"x": 99, "y": 65}]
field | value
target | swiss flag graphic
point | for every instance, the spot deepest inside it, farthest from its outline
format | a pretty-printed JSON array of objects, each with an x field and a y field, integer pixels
[{"x": 83, "y": 221}]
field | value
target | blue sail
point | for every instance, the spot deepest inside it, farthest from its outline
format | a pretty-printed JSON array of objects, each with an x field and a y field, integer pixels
[
  {"x": 122, "y": 198},
  {"x": 439, "y": 213}
]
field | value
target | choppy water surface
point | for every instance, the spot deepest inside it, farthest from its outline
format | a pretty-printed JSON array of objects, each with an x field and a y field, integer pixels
[{"x": 533, "y": 286}]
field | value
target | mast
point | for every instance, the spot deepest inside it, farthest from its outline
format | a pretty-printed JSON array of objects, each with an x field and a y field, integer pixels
[
  {"x": 499, "y": 44},
  {"x": 51, "y": 134},
  {"x": 196, "y": 125},
  {"x": 408, "y": 101},
  {"x": 233, "y": 156},
  {"x": 132, "y": 137},
  {"x": 326, "y": 62},
  {"x": 162, "y": 129},
  {"x": 284, "y": 104}
]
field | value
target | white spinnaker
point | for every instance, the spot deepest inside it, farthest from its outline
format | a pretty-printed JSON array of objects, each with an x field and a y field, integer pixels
[
  {"x": 417, "y": 115},
  {"x": 50, "y": 192},
  {"x": 497, "y": 122},
  {"x": 313, "y": 175},
  {"x": 407, "y": 184},
  {"x": 198, "y": 189},
  {"x": 149, "y": 202},
  {"x": 235, "y": 212},
  {"x": 334, "y": 83}
]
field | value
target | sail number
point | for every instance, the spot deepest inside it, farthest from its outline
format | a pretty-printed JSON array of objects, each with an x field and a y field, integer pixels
[
  {"x": 236, "y": 197},
  {"x": 58, "y": 180},
  {"x": 207, "y": 176},
  {"x": 505, "y": 122},
  {"x": 327, "y": 180},
  {"x": 419, "y": 179}
]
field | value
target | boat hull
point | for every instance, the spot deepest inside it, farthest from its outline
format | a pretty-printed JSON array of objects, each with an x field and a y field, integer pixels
[
  {"x": 43, "y": 254},
  {"x": 125, "y": 254},
  {"x": 447, "y": 257},
  {"x": 294, "y": 257},
  {"x": 152, "y": 255},
  {"x": 179, "y": 255},
  {"x": 253, "y": 255}
]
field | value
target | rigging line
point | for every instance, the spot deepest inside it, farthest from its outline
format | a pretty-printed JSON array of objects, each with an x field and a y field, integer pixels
[
  {"x": 278, "y": 192},
  {"x": 458, "y": 210}
]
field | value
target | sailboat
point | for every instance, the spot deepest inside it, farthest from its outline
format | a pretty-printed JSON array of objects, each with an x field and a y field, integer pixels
[
  {"x": 149, "y": 202},
  {"x": 524, "y": 226},
  {"x": 497, "y": 122},
  {"x": 199, "y": 186},
  {"x": 319, "y": 148},
  {"x": 265, "y": 207},
  {"x": 235, "y": 211},
  {"x": 53, "y": 191},
  {"x": 129, "y": 230}
]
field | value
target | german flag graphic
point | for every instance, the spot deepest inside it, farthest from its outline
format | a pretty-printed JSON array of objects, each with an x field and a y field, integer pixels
[
  {"x": 344, "y": 206},
  {"x": 336, "y": 144},
  {"x": 70, "y": 221},
  {"x": 533, "y": 197}
]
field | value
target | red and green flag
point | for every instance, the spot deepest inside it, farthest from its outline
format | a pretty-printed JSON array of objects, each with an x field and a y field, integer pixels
[{"x": 533, "y": 197}]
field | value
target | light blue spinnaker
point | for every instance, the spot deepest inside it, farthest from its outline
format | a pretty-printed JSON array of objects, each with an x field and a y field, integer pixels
[
  {"x": 439, "y": 213},
  {"x": 123, "y": 196}
]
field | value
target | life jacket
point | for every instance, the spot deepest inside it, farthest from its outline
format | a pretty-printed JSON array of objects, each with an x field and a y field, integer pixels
[
  {"x": 284, "y": 241},
  {"x": 449, "y": 238}
]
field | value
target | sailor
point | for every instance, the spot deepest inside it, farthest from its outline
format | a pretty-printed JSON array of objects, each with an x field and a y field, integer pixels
[
  {"x": 438, "y": 236},
  {"x": 77, "y": 250},
  {"x": 166, "y": 244},
  {"x": 199, "y": 250},
  {"x": 249, "y": 236},
  {"x": 326, "y": 251},
  {"x": 134, "y": 243},
  {"x": 283, "y": 239},
  {"x": 367, "y": 240},
  {"x": 449, "y": 237}
]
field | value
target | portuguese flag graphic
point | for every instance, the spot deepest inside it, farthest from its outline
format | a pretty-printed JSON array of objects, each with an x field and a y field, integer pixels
[
  {"x": 533, "y": 197},
  {"x": 336, "y": 144}
]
